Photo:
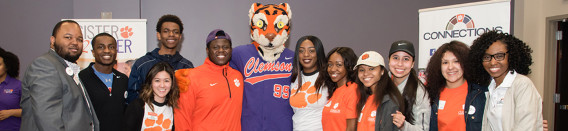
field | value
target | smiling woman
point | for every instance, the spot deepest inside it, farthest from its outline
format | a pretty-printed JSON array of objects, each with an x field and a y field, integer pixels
[
  {"x": 457, "y": 103},
  {"x": 339, "y": 77},
  {"x": 417, "y": 103},
  {"x": 307, "y": 99},
  {"x": 379, "y": 97},
  {"x": 154, "y": 108},
  {"x": 501, "y": 61}
]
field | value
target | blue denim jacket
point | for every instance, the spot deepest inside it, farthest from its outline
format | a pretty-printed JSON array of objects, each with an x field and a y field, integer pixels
[{"x": 476, "y": 98}]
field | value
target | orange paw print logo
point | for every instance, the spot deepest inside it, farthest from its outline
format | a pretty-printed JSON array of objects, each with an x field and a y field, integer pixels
[
  {"x": 157, "y": 125},
  {"x": 126, "y": 32},
  {"x": 306, "y": 95},
  {"x": 365, "y": 56}
]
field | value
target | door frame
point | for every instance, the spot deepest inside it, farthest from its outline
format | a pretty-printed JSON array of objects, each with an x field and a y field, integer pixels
[{"x": 551, "y": 60}]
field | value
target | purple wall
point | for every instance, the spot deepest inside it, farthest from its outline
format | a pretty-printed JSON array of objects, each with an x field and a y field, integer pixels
[
  {"x": 27, "y": 26},
  {"x": 362, "y": 25}
]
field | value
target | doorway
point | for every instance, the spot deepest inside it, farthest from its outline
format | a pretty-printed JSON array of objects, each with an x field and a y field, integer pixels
[{"x": 561, "y": 94}]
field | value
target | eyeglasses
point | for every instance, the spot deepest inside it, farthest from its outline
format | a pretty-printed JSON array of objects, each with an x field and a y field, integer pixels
[{"x": 498, "y": 57}]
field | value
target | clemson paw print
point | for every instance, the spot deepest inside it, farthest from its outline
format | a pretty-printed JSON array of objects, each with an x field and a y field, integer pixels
[
  {"x": 306, "y": 95},
  {"x": 157, "y": 125},
  {"x": 237, "y": 83},
  {"x": 126, "y": 32}
]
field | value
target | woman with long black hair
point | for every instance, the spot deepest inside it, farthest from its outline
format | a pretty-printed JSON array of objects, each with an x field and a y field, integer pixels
[
  {"x": 307, "y": 100},
  {"x": 416, "y": 100},
  {"x": 340, "y": 114},
  {"x": 379, "y": 96}
]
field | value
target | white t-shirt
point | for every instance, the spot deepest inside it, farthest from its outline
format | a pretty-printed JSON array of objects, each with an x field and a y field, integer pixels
[
  {"x": 307, "y": 104},
  {"x": 162, "y": 117}
]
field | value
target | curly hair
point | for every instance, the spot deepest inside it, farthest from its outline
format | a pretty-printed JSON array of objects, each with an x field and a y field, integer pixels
[
  {"x": 515, "y": 47},
  {"x": 169, "y": 18},
  {"x": 435, "y": 81},
  {"x": 349, "y": 62},
  {"x": 12, "y": 69},
  {"x": 147, "y": 94}
]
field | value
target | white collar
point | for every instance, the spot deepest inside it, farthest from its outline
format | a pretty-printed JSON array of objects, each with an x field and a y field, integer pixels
[
  {"x": 72, "y": 67},
  {"x": 507, "y": 82}
]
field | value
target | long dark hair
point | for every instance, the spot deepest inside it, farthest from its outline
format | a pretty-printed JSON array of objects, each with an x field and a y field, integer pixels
[
  {"x": 385, "y": 86},
  {"x": 349, "y": 62},
  {"x": 519, "y": 55},
  {"x": 434, "y": 78},
  {"x": 320, "y": 60},
  {"x": 409, "y": 94},
  {"x": 409, "y": 90},
  {"x": 147, "y": 94}
]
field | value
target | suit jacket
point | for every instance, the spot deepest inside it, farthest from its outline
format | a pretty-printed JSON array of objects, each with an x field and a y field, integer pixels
[
  {"x": 52, "y": 101},
  {"x": 109, "y": 106}
]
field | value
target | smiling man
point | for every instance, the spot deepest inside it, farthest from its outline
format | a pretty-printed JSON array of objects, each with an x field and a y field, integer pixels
[
  {"x": 53, "y": 97},
  {"x": 169, "y": 31},
  {"x": 105, "y": 85},
  {"x": 211, "y": 94}
]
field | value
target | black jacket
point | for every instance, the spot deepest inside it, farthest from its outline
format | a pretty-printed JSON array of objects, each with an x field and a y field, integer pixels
[
  {"x": 383, "y": 121},
  {"x": 109, "y": 106},
  {"x": 134, "y": 116}
]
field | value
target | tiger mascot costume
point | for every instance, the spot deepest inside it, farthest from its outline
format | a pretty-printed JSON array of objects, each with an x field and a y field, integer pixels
[{"x": 266, "y": 66}]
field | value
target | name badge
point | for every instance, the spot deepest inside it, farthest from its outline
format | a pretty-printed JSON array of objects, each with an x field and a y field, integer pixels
[
  {"x": 152, "y": 116},
  {"x": 441, "y": 104}
]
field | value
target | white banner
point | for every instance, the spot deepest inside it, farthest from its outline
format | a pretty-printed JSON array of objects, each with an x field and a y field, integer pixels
[
  {"x": 130, "y": 35},
  {"x": 463, "y": 22}
]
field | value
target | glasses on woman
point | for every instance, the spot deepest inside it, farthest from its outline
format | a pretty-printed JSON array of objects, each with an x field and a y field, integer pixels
[{"x": 498, "y": 57}]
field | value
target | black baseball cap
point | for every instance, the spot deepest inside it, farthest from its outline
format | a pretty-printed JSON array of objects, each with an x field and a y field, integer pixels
[{"x": 402, "y": 45}]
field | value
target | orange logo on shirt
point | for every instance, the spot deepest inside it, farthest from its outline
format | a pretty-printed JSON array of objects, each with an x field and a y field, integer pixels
[
  {"x": 306, "y": 95},
  {"x": 160, "y": 123}
]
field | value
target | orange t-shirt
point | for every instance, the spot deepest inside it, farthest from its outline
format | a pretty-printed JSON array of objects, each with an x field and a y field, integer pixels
[
  {"x": 450, "y": 109},
  {"x": 340, "y": 107},
  {"x": 367, "y": 120}
]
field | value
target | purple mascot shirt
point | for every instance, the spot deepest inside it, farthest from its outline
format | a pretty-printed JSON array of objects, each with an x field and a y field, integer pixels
[
  {"x": 10, "y": 99},
  {"x": 266, "y": 90}
]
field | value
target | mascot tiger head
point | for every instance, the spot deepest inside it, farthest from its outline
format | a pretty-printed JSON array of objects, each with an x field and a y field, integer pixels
[{"x": 269, "y": 28}]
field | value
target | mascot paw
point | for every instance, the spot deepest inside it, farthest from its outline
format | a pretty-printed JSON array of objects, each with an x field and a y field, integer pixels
[{"x": 182, "y": 79}]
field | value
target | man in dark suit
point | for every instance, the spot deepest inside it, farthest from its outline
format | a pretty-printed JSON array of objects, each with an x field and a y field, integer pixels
[
  {"x": 53, "y": 98},
  {"x": 104, "y": 84}
]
